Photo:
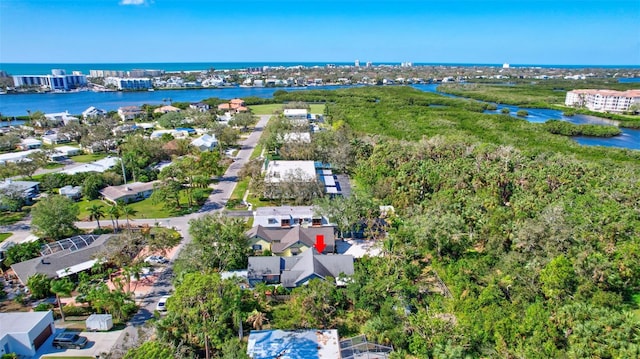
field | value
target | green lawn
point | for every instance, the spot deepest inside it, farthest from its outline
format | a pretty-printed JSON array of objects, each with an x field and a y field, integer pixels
[
  {"x": 145, "y": 208},
  {"x": 317, "y": 108},
  {"x": 268, "y": 109},
  {"x": 53, "y": 165},
  {"x": 4, "y": 236},
  {"x": 7, "y": 218},
  {"x": 88, "y": 157}
]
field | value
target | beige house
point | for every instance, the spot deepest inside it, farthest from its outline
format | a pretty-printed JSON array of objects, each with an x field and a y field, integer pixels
[{"x": 127, "y": 193}]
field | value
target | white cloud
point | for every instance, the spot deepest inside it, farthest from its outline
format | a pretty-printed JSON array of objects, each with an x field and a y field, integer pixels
[{"x": 133, "y": 2}]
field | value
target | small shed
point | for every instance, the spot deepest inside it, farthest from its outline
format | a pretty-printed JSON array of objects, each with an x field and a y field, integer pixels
[{"x": 99, "y": 322}]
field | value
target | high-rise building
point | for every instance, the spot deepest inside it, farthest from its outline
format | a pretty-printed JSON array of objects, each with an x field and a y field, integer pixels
[
  {"x": 58, "y": 80},
  {"x": 357, "y": 63}
]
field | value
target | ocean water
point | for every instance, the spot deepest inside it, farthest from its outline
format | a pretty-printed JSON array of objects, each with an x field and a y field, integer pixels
[{"x": 45, "y": 68}]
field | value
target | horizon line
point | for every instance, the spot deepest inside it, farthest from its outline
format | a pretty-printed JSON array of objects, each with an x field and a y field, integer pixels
[{"x": 323, "y": 62}]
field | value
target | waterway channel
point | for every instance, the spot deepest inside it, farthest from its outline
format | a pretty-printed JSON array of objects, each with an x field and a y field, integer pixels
[
  {"x": 76, "y": 102},
  {"x": 629, "y": 138}
]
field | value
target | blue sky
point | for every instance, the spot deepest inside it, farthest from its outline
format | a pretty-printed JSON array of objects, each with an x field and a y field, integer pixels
[{"x": 599, "y": 32}]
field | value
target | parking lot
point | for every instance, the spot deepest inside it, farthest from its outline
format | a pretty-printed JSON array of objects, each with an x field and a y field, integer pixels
[{"x": 99, "y": 342}]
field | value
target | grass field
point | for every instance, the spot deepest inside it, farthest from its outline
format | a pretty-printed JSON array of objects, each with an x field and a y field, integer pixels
[
  {"x": 267, "y": 109},
  {"x": 7, "y": 218},
  {"x": 4, "y": 236},
  {"x": 88, "y": 157},
  {"x": 271, "y": 108},
  {"x": 145, "y": 209}
]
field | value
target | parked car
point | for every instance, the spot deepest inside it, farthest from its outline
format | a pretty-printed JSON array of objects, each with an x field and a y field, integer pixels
[
  {"x": 162, "y": 303},
  {"x": 156, "y": 260},
  {"x": 69, "y": 340}
]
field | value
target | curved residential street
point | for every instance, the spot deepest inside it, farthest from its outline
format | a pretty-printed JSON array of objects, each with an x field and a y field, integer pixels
[{"x": 216, "y": 202}]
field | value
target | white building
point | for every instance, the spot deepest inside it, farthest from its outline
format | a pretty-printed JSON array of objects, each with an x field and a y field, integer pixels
[
  {"x": 61, "y": 118},
  {"x": 277, "y": 217},
  {"x": 93, "y": 112},
  {"x": 205, "y": 142},
  {"x": 279, "y": 171},
  {"x": 129, "y": 83},
  {"x": 58, "y": 80},
  {"x": 23, "y": 333},
  {"x": 97, "y": 166},
  {"x": 603, "y": 100},
  {"x": 129, "y": 112},
  {"x": 30, "y": 144}
]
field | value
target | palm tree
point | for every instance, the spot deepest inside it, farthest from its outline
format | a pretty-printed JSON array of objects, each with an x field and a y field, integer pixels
[
  {"x": 128, "y": 212},
  {"x": 114, "y": 213},
  {"x": 257, "y": 319},
  {"x": 62, "y": 287},
  {"x": 95, "y": 213}
]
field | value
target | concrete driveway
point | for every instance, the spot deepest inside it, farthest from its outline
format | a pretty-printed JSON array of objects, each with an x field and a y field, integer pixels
[{"x": 99, "y": 342}]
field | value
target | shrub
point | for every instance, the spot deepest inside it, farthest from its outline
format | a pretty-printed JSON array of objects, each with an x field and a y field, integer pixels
[{"x": 43, "y": 307}]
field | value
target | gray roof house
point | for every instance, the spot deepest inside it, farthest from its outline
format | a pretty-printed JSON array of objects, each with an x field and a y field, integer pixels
[
  {"x": 297, "y": 270},
  {"x": 28, "y": 190},
  {"x": 290, "y": 241},
  {"x": 205, "y": 142},
  {"x": 63, "y": 258},
  {"x": 128, "y": 193},
  {"x": 22, "y": 333}
]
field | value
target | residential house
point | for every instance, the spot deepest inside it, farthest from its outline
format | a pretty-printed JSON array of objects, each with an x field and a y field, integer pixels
[
  {"x": 55, "y": 139},
  {"x": 27, "y": 190},
  {"x": 64, "y": 152},
  {"x": 16, "y": 157},
  {"x": 280, "y": 176},
  {"x": 288, "y": 216},
  {"x": 200, "y": 106},
  {"x": 295, "y": 271},
  {"x": 129, "y": 112},
  {"x": 63, "y": 258},
  {"x": 30, "y": 144},
  {"x": 71, "y": 192},
  {"x": 299, "y": 344},
  {"x": 93, "y": 112},
  {"x": 279, "y": 171},
  {"x": 23, "y": 333},
  {"x": 303, "y": 137},
  {"x": 166, "y": 109},
  {"x": 128, "y": 193},
  {"x": 296, "y": 114},
  {"x": 175, "y": 133},
  {"x": 98, "y": 166},
  {"x": 235, "y": 105},
  {"x": 60, "y": 118},
  {"x": 205, "y": 142},
  {"x": 290, "y": 241}
]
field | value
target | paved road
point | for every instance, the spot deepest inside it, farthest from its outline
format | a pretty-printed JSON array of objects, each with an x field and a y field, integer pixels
[{"x": 216, "y": 202}]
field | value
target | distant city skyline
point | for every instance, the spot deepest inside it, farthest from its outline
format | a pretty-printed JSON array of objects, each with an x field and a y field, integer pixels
[{"x": 561, "y": 32}]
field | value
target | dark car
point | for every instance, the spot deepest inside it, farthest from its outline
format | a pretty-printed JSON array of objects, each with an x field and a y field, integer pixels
[{"x": 69, "y": 340}]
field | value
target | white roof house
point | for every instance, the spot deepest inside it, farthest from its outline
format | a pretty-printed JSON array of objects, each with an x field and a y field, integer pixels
[
  {"x": 93, "y": 112},
  {"x": 304, "y": 137},
  {"x": 61, "y": 117},
  {"x": 274, "y": 217},
  {"x": 205, "y": 142},
  {"x": 23, "y": 333},
  {"x": 16, "y": 156},
  {"x": 96, "y": 166},
  {"x": 174, "y": 133},
  {"x": 278, "y": 171},
  {"x": 30, "y": 144}
]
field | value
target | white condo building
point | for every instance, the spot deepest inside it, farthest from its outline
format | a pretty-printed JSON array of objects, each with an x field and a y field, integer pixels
[
  {"x": 129, "y": 83},
  {"x": 603, "y": 100},
  {"x": 58, "y": 80}
]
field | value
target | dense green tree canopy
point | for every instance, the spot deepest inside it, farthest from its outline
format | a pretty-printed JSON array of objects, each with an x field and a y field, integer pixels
[{"x": 54, "y": 216}]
